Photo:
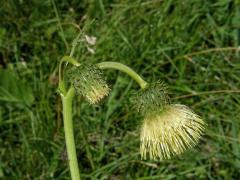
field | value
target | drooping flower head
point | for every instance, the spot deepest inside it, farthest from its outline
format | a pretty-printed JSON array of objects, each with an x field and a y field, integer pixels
[
  {"x": 167, "y": 129},
  {"x": 89, "y": 82}
]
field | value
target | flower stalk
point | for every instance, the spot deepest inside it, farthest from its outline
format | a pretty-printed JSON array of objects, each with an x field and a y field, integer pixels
[
  {"x": 125, "y": 69},
  {"x": 67, "y": 100},
  {"x": 69, "y": 133}
]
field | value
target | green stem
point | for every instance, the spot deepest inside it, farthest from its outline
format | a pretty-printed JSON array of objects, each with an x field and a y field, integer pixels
[
  {"x": 65, "y": 59},
  {"x": 67, "y": 99},
  {"x": 74, "y": 43},
  {"x": 69, "y": 135},
  {"x": 125, "y": 69}
]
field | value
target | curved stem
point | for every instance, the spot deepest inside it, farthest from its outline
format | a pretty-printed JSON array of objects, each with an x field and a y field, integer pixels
[
  {"x": 69, "y": 134},
  {"x": 67, "y": 59},
  {"x": 125, "y": 69}
]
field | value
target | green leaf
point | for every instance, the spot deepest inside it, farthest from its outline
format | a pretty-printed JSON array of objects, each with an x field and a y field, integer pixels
[{"x": 13, "y": 90}]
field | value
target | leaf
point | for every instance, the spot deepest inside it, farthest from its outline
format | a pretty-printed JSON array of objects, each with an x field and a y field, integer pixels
[{"x": 13, "y": 90}]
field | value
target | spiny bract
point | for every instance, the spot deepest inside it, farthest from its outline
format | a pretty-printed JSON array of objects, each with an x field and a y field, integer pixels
[
  {"x": 151, "y": 99},
  {"x": 89, "y": 82}
]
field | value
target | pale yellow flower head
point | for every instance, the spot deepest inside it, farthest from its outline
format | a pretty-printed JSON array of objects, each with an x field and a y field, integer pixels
[
  {"x": 170, "y": 132},
  {"x": 89, "y": 82}
]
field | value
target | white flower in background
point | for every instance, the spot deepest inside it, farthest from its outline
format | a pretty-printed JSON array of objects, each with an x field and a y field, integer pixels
[{"x": 90, "y": 39}]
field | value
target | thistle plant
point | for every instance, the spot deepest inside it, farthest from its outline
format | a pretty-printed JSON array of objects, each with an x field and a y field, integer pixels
[{"x": 166, "y": 130}]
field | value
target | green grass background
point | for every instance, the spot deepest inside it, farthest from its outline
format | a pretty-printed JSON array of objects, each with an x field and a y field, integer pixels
[{"x": 182, "y": 43}]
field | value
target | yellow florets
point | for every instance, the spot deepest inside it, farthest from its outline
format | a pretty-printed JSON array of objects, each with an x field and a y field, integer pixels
[
  {"x": 170, "y": 132},
  {"x": 97, "y": 93},
  {"x": 167, "y": 129}
]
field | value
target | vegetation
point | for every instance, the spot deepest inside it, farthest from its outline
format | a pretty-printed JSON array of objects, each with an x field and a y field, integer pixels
[{"x": 193, "y": 46}]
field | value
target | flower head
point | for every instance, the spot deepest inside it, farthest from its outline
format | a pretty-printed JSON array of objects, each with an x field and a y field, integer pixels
[
  {"x": 89, "y": 82},
  {"x": 167, "y": 129},
  {"x": 170, "y": 132}
]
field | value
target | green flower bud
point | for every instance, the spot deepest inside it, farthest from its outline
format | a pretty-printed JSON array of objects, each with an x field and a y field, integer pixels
[
  {"x": 88, "y": 81},
  {"x": 170, "y": 132}
]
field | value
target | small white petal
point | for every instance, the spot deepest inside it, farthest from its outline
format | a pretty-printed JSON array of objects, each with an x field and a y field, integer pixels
[{"x": 90, "y": 39}]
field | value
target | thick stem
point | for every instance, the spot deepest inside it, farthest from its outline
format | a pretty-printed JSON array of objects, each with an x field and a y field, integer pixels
[
  {"x": 125, "y": 69},
  {"x": 69, "y": 135}
]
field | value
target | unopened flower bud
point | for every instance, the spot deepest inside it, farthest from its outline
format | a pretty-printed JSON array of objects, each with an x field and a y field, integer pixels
[{"x": 89, "y": 82}]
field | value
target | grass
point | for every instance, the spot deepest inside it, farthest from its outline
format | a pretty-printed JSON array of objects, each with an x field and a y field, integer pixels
[{"x": 179, "y": 42}]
